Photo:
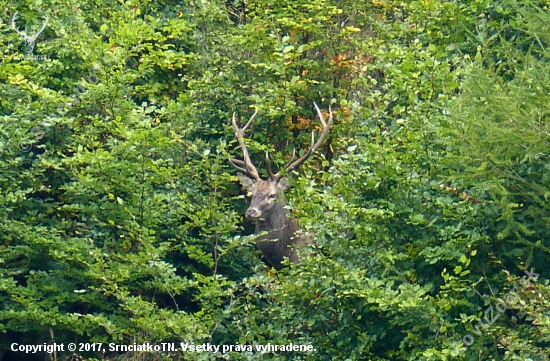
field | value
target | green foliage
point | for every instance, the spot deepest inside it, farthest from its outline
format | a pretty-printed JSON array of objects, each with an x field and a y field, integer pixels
[{"x": 121, "y": 220}]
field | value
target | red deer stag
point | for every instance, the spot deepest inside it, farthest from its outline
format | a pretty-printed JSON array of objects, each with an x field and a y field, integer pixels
[{"x": 268, "y": 205}]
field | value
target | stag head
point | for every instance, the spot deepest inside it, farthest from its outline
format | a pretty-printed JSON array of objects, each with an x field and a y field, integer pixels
[{"x": 265, "y": 194}]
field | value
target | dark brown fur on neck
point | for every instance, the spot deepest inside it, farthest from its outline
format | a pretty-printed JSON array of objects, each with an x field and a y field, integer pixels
[{"x": 283, "y": 233}]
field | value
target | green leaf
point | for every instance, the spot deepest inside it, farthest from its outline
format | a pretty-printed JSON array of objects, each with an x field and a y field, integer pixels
[{"x": 288, "y": 48}]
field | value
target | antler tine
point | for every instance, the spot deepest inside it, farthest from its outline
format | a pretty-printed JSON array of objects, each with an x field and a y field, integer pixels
[
  {"x": 268, "y": 164},
  {"x": 234, "y": 163},
  {"x": 43, "y": 27},
  {"x": 45, "y": 23},
  {"x": 249, "y": 168},
  {"x": 278, "y": 175},
  {"x": 13, "y": 18},
  {"x": 314, "y": 145},
  {"x": 249, "y": 120}
]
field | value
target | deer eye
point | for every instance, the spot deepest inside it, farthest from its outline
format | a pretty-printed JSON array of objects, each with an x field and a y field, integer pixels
[{"x": 272, "y": 196}]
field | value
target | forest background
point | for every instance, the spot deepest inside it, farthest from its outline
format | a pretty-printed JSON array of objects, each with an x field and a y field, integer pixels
[{"x": 121, "y": 219}]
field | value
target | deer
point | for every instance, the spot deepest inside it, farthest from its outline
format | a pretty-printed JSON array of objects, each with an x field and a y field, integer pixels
[{"x": 268, "y": 206}]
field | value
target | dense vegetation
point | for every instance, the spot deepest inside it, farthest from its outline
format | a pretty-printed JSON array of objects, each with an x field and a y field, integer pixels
[{"x": 121, "y": 219}]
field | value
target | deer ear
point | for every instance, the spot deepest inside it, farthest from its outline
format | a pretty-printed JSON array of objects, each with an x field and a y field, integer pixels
[
  {"x": 283, "y": 184},
  {"x": 247, "y": 182}
]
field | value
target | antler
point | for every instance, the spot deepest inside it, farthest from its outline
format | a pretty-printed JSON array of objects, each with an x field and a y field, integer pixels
[
  {"x": 24, "y": 34},
  {"x": 295, "y": 163},
  {"x": 42, "y": 29},
  {"x": 244, "y": 166}
]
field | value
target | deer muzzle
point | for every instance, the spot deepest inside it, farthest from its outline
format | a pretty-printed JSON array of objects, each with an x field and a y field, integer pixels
[{"x": 253, "y": 213}]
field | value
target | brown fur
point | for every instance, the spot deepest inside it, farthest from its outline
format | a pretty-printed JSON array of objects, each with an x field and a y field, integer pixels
[{"x": 268, "y": 209}]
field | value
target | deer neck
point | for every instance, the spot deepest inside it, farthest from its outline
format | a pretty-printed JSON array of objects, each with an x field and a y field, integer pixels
[{"x": 277, "y": 219}]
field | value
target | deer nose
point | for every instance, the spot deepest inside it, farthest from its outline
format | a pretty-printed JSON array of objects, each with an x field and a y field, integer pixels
[{"x": 253, "y": 213}]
